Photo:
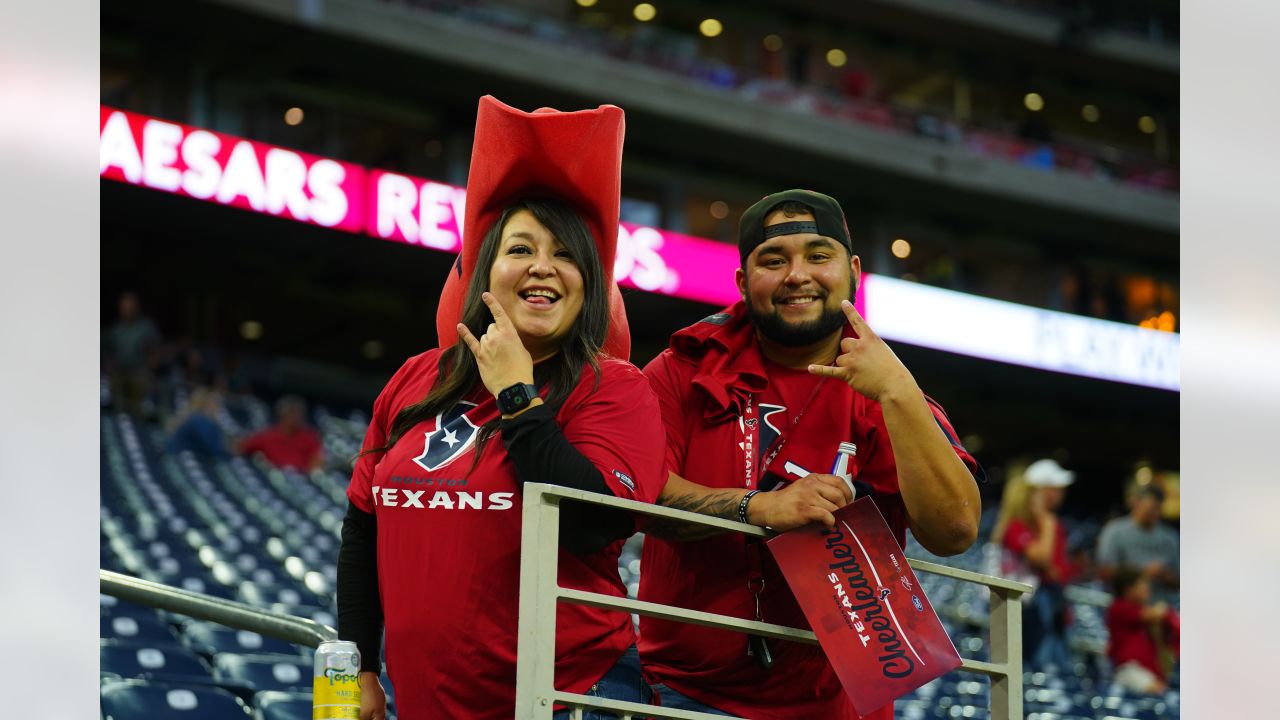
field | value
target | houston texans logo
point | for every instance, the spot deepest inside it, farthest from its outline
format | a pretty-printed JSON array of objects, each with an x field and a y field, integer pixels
[
  {"x": 453, "y": 436},
  {"x": 770, "y": 431},
  {"x": 884, "y": 593}
]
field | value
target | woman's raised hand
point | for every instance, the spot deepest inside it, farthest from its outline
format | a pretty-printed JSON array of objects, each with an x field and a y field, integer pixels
[{"x": 500, "y": 355}]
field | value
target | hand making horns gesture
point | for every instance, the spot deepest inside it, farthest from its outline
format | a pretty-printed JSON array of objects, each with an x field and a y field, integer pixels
[
  {"x": 500, "y": 355},
  {"x": 866, "y": 363}
]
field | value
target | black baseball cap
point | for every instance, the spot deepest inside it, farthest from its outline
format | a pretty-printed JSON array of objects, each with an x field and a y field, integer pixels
[{"x": 828, "y": 220}]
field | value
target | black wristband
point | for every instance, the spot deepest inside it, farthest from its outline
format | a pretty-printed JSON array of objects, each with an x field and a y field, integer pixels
[{"x": 742, "y": 506}]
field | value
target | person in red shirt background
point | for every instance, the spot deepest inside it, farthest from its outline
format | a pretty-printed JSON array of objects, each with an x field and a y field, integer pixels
[
  {"x": 290, "y": 442},
  {"x": 1136, "y": 630},
  {"x": 1029, "y": 529}
]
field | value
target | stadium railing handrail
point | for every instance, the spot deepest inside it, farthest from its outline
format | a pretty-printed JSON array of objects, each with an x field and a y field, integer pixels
[
  {"x": 301, "y": 631},
  {"x": 536, "y": 695}
]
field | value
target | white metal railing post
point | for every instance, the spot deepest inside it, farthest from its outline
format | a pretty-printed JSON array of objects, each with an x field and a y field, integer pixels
[
  {"x": 1006, "y": 650},
  {"x": 536, "y": 643}
]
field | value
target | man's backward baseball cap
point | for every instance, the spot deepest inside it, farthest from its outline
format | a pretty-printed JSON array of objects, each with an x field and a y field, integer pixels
[{"x": 828, "y": 220}]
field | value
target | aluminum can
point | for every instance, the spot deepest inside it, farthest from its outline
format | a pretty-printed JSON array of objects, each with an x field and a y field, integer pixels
[{"x": 335, "y": 686}]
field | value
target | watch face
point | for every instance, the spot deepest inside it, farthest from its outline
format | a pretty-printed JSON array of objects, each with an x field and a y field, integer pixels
[{"x": 515, "y": 398}]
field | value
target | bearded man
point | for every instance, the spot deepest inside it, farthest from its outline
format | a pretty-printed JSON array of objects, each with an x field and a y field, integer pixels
[{"x": 756, "y": 400}]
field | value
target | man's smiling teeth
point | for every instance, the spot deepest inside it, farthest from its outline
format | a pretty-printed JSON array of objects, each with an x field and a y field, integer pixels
[{"x": 799, "y": 300}]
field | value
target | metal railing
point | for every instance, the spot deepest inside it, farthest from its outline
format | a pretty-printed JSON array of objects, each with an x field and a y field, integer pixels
[
  {"x": 300, "y": 631},
  {"x": 540, "y": 593},
  {"x": 536, "y": 695}
]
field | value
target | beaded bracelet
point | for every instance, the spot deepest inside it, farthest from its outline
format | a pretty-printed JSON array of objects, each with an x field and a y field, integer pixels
[{"x": 742, "y": 506}]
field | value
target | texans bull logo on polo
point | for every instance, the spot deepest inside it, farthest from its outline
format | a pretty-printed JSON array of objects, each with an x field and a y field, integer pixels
[
  {"x": 453, "y": 436},
  {"x": 769, "y": 432}
]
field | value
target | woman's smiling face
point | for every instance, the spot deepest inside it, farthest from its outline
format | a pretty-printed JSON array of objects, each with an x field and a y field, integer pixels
[{"x": 538, "y": 283}]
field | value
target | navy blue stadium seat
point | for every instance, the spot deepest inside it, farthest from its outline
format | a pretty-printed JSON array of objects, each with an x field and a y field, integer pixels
[
  {"x": 212, "y": 639},
  {"x": 111, "y": 607},
  {"x": 265, "y": 671},
  {"x": 143, "y": 660},
  {"x": 140, "y": 700},
  {"x": 141, "y": 629},
  {"x": 276, "y": 705}
]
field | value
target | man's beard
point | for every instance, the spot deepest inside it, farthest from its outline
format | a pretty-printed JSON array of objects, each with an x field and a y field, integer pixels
[{"x": 787, "y": 334}]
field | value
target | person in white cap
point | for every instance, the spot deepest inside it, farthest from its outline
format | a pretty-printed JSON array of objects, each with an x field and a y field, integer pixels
[{"x": 1030, "y": 530}]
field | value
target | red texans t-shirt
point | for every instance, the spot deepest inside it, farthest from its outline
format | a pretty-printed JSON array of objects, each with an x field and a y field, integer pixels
[
  {"x": 449, "y": 540},
  {"x": 710, "y": 665}
]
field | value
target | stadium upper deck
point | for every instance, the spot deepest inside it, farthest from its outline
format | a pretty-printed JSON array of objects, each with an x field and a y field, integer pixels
[{"x": 986, "y": 210}]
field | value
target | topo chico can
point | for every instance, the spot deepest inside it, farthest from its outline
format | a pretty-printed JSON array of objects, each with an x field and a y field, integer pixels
[{"x": 336, "y": 683}]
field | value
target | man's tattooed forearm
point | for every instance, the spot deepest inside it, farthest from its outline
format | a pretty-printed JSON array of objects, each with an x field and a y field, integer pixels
[{"x": 721, "y": 505}]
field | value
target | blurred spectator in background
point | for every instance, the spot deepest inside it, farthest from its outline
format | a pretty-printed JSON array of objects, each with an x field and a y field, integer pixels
[
  {"x": 1140, "y": 633},
  {"x": 858, "y": 82},
  {"x": 1030, "y": 531},
  {"x": 235, "y": 375},
  {"x": 130, "y": 354},
  {"x": 1140, "y": 540},
  {"x": 290, "y": 442},
  {"x": 195, "y": 427},
  {"x": 191, "y": 366}
]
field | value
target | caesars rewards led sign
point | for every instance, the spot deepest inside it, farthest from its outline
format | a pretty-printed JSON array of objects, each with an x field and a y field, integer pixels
[
  {"x": 230, "y": 171},
  {"x": 221, "y": 168},
  {"x": 263, "y": 178}
]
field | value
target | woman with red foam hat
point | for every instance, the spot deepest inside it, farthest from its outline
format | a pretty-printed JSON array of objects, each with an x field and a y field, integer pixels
[{"x": 531, "y": 384}]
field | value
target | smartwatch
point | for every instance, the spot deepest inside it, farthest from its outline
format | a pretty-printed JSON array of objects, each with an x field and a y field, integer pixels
[{"x": 516, "y": 398}]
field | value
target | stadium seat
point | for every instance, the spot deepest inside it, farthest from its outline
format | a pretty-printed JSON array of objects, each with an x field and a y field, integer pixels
[
  {"x": 141, "y": 629},
  {"x": 276, "y": 705},
  {"x": 212, "y": 639},
  {"x": 265, "y": 671},
  {"x": 112, "y": 607},
  {"x": 140, "y": 700},
  {"x": 142, "y": 660}
]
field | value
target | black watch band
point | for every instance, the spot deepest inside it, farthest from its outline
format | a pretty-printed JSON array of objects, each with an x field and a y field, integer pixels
[{"x": 516, "y": 398}]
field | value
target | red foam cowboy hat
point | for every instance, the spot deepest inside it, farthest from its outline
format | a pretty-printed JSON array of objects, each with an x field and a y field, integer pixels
[{"x": 574, "y": 156}]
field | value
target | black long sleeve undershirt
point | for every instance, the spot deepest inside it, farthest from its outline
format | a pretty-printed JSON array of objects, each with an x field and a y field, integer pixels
[
  {"x": 359, "y": 605},
  {"x": 541, "y": 453}
]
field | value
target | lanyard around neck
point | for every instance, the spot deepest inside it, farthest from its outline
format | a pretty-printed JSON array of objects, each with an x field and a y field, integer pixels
[{"x": 749, "y": 429}]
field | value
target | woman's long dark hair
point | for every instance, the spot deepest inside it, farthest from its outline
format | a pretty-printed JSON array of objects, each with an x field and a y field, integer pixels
[{"x": 458, "y": 375}]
